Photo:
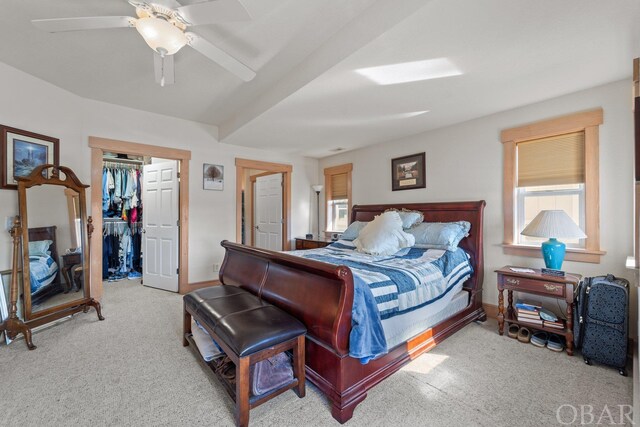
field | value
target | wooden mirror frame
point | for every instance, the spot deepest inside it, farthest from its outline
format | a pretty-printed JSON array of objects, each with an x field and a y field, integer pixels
[{"x": 70, "y": 181}]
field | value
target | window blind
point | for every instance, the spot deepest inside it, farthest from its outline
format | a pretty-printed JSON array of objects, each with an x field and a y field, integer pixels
[
  {"x": 555, "y": 160},
  {"x": 339, "y": 186}
]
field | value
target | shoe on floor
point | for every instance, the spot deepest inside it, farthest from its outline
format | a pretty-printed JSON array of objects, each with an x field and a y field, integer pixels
[
  {"x": 513, "y": 330},
  {"x": 555, "y": 343},
  {"x": 524, "y": 335},
  {"x": 539, "y": 339}
]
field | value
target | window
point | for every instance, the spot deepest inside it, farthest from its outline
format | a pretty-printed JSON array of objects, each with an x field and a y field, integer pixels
[
  {"x": 337, "y": 180},
  {"x": 531, "y": 200},
  {"x": 553, "y": 165}
]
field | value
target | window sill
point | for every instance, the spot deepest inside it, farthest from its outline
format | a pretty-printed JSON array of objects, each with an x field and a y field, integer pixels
[{"x": 579, "y": 255}]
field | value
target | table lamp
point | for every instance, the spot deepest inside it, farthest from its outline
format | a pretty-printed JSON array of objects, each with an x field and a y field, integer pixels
[{"x": 553, "y": 224}]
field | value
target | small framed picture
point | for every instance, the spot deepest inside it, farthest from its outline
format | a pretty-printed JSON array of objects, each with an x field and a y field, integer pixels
[
  {"x": 212, "y": 177},
  {"x": 408, "y": 172},
  {"x": 22, "y": 151}
]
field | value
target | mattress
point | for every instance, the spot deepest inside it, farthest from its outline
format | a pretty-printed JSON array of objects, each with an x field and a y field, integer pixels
[{"x": 403, "y": 327}]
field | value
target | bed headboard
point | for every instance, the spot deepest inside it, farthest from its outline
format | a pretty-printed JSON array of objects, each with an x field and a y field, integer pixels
[
  {"x": 443, "y": 212},
  {"x": 47, "y": 233}
]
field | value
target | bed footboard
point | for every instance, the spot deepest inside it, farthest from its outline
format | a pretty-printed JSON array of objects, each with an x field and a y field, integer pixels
[{"x": 318, "y": 294}]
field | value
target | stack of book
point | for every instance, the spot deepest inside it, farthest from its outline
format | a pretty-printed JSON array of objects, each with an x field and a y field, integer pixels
[
  {"x": 558, "y": 324},
  {"x": 529, "y": 312}
]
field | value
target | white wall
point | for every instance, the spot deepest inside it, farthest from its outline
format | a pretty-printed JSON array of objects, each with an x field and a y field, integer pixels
[
  {"x": 37, "y": 106},
  {"x": 464, "y": 162}
]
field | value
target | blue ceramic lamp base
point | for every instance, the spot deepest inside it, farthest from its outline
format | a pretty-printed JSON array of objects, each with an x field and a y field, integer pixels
[{"x": 553, "y": 253}]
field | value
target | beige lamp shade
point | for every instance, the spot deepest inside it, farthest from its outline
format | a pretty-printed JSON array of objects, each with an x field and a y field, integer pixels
[
  {"x": 553, "y": 223},
  {"x": 317, "y": 188}
]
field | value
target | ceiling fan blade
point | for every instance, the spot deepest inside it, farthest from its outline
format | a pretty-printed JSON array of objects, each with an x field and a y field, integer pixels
[
  {"x": 221, "y": 57},
  {"x": 171, "y": 4},
  {"x": 164, "y": 69},
  {"x": 212, "y": 12},
  {"x": 84, "y": 23}
]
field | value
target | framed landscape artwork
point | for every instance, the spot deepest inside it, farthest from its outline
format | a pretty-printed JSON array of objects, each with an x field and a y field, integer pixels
[
  {"x": 212, "y": 177},
  {"x": 22, "y": 151},
  {"x": 408, "y": 172}
]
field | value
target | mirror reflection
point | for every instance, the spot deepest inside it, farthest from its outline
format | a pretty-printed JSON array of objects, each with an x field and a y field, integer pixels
[{"x": 55, "y": 235}]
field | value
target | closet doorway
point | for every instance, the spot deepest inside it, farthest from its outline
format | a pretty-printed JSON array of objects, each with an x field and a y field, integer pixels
[{"x": 158, "y": 261}]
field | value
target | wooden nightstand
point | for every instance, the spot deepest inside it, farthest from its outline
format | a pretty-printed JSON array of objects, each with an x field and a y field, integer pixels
[
  {"x": 537, "y": 284},
  {"x": 313, "y": 243},
  {"x": 69, "y": 261}
]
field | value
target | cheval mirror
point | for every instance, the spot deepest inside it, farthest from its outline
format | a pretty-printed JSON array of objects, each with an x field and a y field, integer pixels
[{"x": 55, "y": 247}]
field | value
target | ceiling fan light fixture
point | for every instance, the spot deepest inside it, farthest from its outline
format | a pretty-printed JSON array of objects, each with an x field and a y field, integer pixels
[{"x": 161, "y": 36}]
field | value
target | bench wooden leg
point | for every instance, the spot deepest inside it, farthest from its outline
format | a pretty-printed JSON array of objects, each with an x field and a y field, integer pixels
[
  {"x": 242, "y": 392},
  {"x": 186, "y": 326},
  {"x": 298, "y": 365}
]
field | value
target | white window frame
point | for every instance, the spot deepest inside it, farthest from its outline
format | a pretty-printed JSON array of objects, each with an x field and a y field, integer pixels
[
  {"x": 332, "y": 213},
  {"x": 522, "y": 193}
]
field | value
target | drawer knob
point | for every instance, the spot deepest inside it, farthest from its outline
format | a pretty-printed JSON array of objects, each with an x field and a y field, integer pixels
[
  {"x": 513, "y": 281},
  {"x": 551, "y": 288}
]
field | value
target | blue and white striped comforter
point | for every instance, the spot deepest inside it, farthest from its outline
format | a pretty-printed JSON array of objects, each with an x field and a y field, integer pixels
[
  {"x": 42, "y": 271},
  {"x": 386, "y": 286}
]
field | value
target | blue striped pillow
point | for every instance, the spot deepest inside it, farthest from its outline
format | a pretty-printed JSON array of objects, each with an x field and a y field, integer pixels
[
  {"x": 440, "y": 235},
  {"x": 353, "y": 230}
]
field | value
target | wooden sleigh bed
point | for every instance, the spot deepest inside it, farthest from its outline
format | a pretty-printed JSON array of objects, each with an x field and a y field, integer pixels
[
  {"x": 55, "y": 287},
  {"x": 321, "y": 296}
]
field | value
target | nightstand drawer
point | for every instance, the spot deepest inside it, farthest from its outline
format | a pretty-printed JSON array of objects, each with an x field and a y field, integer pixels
[{"x": 531, "y": 285}]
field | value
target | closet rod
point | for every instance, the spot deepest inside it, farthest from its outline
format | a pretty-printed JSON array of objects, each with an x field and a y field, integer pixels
[{"x": 120, "y": 160}]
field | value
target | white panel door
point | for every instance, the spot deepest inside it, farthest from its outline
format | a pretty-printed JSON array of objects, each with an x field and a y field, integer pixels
[
  {"x": 268, "y": 212},
  {"x": 160, "y": 226}
]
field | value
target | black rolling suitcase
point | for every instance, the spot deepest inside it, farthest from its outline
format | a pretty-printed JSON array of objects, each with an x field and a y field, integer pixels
[{"x": 601, "y": 320}]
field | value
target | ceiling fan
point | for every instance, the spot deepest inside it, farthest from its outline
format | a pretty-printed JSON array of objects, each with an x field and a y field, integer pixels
[{"x": 162, "y": 24}]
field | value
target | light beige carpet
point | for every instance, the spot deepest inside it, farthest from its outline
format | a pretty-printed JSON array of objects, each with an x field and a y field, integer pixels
[{"x": 131, "y": 370}]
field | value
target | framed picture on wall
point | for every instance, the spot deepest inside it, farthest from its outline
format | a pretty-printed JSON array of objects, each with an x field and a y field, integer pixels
[
  {"x": 22, "y": 151},
  {"x": 408, "y": 172},
  {"x": 212, "y": 177}
]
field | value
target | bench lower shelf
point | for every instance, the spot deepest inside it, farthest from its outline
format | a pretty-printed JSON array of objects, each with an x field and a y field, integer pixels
[{"x": 229, "y": 384}]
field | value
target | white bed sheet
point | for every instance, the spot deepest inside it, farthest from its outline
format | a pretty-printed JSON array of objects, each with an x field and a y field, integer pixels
[{"x": 401, "y": 328}]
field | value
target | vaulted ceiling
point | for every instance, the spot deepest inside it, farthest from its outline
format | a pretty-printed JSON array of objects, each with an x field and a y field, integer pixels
[{"x": 310, "y": 95}]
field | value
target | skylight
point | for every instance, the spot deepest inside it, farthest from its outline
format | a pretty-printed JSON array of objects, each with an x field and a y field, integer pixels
[{"x": 410, "y": 71}]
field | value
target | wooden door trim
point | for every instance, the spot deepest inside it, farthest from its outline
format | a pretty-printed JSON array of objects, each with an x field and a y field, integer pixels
[
  {"x": 241, "y": 166},
  {"x": 98, "y": 147}
]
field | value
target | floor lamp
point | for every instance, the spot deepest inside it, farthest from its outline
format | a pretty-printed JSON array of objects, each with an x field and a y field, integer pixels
[{"x": 318, "y": 189}]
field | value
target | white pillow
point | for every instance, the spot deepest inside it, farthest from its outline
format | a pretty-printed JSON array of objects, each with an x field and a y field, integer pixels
[{"x": 383, "y": 235}]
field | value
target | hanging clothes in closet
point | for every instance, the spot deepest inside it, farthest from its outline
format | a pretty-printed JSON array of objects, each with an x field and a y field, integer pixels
[
  {"x": 121, "y": 186},
  {"x": 122, "y": 221}
]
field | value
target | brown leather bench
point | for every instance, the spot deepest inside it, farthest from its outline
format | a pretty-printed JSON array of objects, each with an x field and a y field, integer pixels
[{"x": 249, "y": 330}]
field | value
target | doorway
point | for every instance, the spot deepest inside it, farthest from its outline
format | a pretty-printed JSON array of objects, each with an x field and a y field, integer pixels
[
  {"x": 100, "y": 146},
  {"x": 266, "y": 217},
  {"x": 244, "y": 169}
]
